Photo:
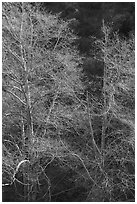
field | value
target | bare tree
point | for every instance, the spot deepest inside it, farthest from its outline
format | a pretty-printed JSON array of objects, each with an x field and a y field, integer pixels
[
  {"x": 41, "y": 87},
  {"x": 114, "y": 110}
]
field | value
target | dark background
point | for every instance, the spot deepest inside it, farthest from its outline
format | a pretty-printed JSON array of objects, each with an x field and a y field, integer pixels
[{"x": 121, "y": 15}]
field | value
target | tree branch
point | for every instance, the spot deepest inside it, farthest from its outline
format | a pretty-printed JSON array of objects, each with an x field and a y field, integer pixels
[
  {"x": 10, "y": 75},
  {"x": 96, "y": 149},
  {"x": 16, "y": 97},
  {"x": 14, "y": 54}
]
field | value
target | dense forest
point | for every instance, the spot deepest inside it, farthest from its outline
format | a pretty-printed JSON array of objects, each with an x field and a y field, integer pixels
[{"x": 68, "y": 102}]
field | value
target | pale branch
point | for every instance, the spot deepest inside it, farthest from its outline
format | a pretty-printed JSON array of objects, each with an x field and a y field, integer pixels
[
  {"x": 13, "y": 87},
  {"x": 31, "y": 41},
  {"x": 21, "y": 90},
  {"x": 22, "y": 130},
  {"x": 16, "y": 170},
  {"x": 17, "y": 97},
  {"x": 6, "y": 184},
  {"x": 22, "y": 183},
  {"x": 4, "y": 148},
  {"x": 12, "y": 76},
  {"x": 13, "y": 113},
  {"x": 14, "y": 79},
  {"x": 21, "y": 44},
  {"x": 8, "y": 165},
  {"x": 14, "y": 54},
  {"x": 96, "y": 149},
  {"x": 20, "y": 163}
]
